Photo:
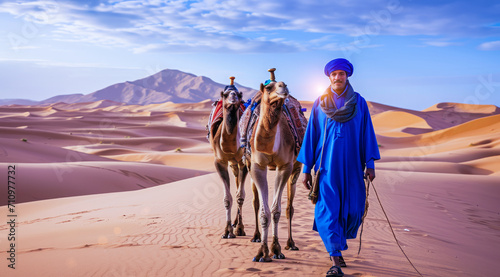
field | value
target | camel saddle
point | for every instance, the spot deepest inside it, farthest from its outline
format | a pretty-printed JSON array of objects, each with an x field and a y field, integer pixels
[
  {"x": 216, "y": 115},
  {"x": 292, "y": 111}
]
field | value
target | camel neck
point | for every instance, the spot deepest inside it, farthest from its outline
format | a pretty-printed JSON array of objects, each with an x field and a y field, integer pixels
[
  {"x": 229, "y": 132},
  {"x": 267, "y": 126},
  {"x": 230, "y": 116}
]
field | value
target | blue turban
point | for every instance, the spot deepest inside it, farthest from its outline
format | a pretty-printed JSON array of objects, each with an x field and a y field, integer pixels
[{"x": 339, "y": 64}]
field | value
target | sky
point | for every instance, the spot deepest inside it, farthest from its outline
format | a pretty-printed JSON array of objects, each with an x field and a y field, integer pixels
[{"x": 409, "y": 54}]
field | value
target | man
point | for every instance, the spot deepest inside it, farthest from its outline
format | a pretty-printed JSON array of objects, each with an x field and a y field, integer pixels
[{"x": 350, "y": 146}]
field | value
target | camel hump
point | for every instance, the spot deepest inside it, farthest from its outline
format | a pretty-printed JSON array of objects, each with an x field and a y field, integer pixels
[
  {"x": 215, "y": 116},
  {"x": 297, "y": 122}
]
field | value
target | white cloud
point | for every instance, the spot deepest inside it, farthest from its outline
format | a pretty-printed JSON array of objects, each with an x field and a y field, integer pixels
[
  {"x": 240, "y": 25},
  {"x": 25, "y": 47},
  {"x": 21, "y": 60},
  {"x": 440, "y": 43},
  {"x": 47, "y": 63},
  {"x": 492, "y": 45}
]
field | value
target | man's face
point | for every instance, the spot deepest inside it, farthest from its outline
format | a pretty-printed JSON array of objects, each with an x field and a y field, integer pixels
[{"x": 338, "y": 78}]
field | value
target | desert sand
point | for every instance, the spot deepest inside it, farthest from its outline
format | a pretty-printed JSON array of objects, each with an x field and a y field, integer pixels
[{"x": 107, "y": 189}]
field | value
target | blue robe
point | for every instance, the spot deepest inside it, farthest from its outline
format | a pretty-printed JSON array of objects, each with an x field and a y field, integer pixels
[{"x": 349, "y": 147}]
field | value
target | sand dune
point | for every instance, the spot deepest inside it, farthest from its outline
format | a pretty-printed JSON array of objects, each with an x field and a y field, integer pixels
[
  {"x": 399, "y": 124},
  {"x": 488, "y": 163},
  {"x": 122, "y": 190},
  {"x": 376, "y": 108},
  {"x": 95, "y": 139},
  {"x": 180, "y": 159},
  {"x": 39, "y": 181},
  {"x": 479, "y": 134},
  {"x": 464, "y": 108},
  {"x": 174, "y": 229},
  {"x": 487, "y": 126},
  {"x": 16, "y": 150},
  {"x": 439, "y": 116}
]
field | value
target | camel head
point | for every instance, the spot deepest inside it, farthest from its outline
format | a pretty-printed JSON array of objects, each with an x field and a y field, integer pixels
[
  {"x": 231, "y": 101},
  {"x": 231, "y": 97},
  {"x": 274, "y": 93}
]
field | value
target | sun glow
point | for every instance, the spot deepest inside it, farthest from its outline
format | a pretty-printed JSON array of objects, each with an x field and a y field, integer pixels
[
  {"x": 320, "y": 88},
  {"x": 315, "y": 86}
]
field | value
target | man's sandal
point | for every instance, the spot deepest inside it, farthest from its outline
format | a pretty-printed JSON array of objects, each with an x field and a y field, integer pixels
[{"x": 334, "y": 271}]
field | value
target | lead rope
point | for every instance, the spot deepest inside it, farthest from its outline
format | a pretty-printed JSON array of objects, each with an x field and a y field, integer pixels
[
  {"x": 368, "y": 182},
  {"x": 367, "y": 185}
]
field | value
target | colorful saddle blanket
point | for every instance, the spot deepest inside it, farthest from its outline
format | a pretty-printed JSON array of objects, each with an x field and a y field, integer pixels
[
  {"x": 292, "y": 111},
  {"x": 216, "y": 115}
]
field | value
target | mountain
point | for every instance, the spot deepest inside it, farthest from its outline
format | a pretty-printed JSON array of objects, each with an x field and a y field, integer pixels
[
  {"x": 5, "y": 102},
  {"x": 68, "y": 98},
  {"x": 167, "y": 85}
]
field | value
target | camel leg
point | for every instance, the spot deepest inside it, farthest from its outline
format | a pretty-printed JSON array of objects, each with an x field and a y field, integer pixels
[
  {"x": 228, "y": 200},
  {"x": 283, "y": 173},
  {"x": 259, "y": 175},
  {"x": 256, "y": 205},
  {"x": 240, "y": 198},
  {"x": 235, "y": 170},
  {"x": 291, "y": 184}
]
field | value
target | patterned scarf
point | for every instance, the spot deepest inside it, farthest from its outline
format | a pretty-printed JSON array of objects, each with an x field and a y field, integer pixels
[{"x": 346, "y": 112}]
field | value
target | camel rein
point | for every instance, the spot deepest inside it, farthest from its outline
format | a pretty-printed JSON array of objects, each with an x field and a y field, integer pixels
[{"x": 368, "y": 182}]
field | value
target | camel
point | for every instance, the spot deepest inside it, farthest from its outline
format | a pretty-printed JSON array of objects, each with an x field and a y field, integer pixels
[
  {"x": 272, "y": 145},
  {"x": 224, "y": 140}
]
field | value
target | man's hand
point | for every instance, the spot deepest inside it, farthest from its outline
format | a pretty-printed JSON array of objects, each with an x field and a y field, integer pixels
[
  {"x": 370, "y": 173},
  {"x": 307, "y": 181}
]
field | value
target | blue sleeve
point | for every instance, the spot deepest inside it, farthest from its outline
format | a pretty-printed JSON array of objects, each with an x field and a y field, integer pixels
[
  {"x": 370, "y": 164},
  {"x": 370, "y": 151}
]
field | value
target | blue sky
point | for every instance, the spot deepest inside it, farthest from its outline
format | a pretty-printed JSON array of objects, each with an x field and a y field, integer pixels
[{"x": 411, "y": 54}]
